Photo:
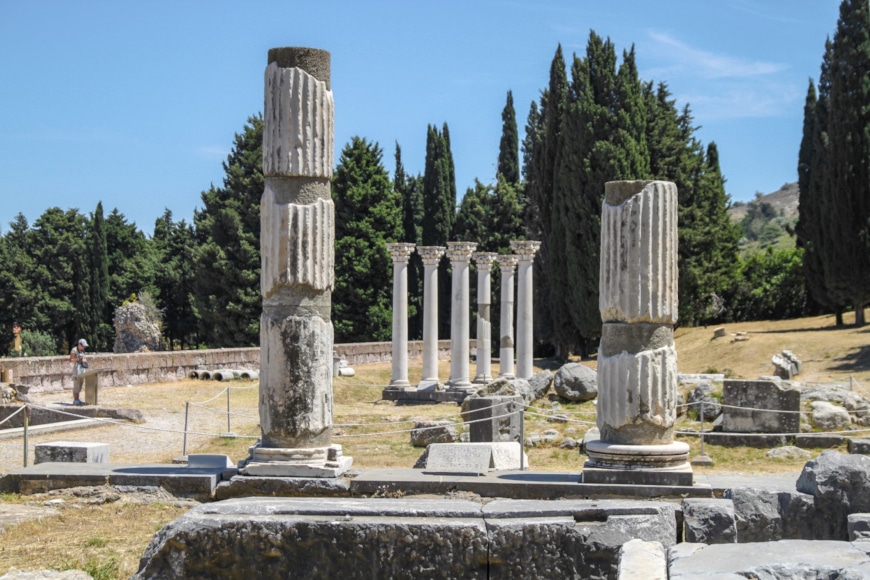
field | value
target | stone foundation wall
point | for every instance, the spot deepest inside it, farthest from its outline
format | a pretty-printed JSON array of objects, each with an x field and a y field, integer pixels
[{"x": 54, "y": 373}]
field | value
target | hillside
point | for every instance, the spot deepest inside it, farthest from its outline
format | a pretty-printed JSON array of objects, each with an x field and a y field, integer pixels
[
  {"x": 828, "y": 353},
  {"x": 784, "y": 200}
]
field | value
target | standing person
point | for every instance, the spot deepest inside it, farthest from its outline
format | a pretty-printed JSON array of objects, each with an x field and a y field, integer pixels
[{"x": 80, "y": 365}]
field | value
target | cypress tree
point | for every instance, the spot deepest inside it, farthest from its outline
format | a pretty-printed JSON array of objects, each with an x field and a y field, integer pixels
[
  {"x": 174, "y": 278},
  {"x": 846, "y": 208},
  {"x": 97, "y": 328},
  {"x": 410, "y": 191},
  {"x": 508, "y": 148}
]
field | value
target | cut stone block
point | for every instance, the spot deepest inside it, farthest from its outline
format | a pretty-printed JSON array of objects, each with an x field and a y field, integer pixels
[
  {"x": 858, "y": 526},
  {"x": 781, "y": 404},
  {"x": 640, "y": 559},
  {"x": 474, "y": 457},
  {"x": 209, "y": 461},
  {"x": 495, "y": 419},
  {"x": 859, "y": 446},
  {"x": 72, "y": 452},
  {"x": 709, "y": 521}
]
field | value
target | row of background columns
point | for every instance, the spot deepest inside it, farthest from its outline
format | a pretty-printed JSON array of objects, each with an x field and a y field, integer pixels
[{"x": 459, "y": 254}]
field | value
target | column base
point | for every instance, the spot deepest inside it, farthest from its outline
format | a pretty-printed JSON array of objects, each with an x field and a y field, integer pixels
[
  {"x": 430, "y": 385},
  {"x": 464, "y": 386},
  {"x": 399, "y": 384},
  {"x": 296, "y": 462},
  {"x": 637, "y": 464},
  {"x": 482, "y": 379}
]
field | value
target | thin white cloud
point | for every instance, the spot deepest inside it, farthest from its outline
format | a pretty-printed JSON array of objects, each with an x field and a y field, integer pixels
[
  {"x": 771, "y": 101},
  {"x": 213, "y": 152},
  {"x": 710, "y": 65}
]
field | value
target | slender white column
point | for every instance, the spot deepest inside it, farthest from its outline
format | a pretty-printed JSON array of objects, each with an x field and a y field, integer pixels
[
  {"x": 401, "y": 253},
  {"x": 431, "y": 256},
  {"x": 507, "y": 264},
  {"x": 459, "y": 254},
  {"x": 525, "y": 305},
  {"x": 483, "y": 261}
]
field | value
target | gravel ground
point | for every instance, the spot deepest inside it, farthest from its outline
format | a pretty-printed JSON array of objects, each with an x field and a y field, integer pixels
[{"x": 161, "y": 437}]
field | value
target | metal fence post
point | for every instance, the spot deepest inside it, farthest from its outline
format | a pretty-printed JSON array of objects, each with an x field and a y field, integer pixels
[
  {"x": 186, "y": 414},
  {"x": 703, "y": 452},
  {"x": 522, "y": 437},
  {"x": 26, "y": 421},
  {"x": 228, "y": 411}
]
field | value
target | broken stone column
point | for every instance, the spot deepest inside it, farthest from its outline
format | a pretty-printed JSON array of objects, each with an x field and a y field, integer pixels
[
  {"x": 297, "y": 239},
  {"x": 637, "y": 361},
  {"x": 507, "y": 264},
  {"x": 525, "y": 252},
  {"x": 483, "y": 261},
  {"x": 459, "y": 254},
  {"x": 400, "y": 252},
  {"x": 431, "y": 256}
]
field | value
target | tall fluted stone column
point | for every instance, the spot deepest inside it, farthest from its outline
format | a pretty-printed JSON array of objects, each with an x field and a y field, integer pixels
[
  {"x": 483, "y": 261},
  {"x": 507, "y": 264},
  {"x": 400, "y": 253},
  {"x": 297, "y": 270},
  {"x": 459, "y": 254},
  {"x": 637, "y": 361},
  {"x": 525, "y": 252},
  {"x": 431, "y": 256}
]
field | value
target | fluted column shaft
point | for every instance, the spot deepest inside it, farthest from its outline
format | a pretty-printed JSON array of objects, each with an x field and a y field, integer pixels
[
  {"x": 483, "y": 261},
  {"x": 459, "y": 254},
  {"x": 525, "y": 250},
  {"x": 507, "y": 265},
  {"x": 431, "y": 256},
  {"x": 400, "y": 253}
]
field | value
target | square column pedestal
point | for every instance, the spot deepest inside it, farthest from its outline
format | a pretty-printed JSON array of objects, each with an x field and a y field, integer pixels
[{"x": 302, "y": 462}]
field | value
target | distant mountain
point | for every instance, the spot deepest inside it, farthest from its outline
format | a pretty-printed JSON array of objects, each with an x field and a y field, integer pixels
[{"x": 784, "y": 200}]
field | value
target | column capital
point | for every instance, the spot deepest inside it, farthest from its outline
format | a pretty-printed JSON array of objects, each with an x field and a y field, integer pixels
[
  {"x": 483, "y": 260},
  {"x": 460, "y": 251},
  {"x": 431, "y": 255},
  {"x": 525, "y": 249},
  {"x": 400, "y": 252},
  {"x": 507, "y": 262}
]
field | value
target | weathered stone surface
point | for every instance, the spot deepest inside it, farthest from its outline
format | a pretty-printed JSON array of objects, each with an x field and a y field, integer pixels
[
  {"x": 770, "y": 561},
  {"x": 427, "y": 432},
  {"x": 46, "y": 575},
  {"x": 12, "y": 514},
  {"x": 757, "y": 514},
  {"x": 703, "y": 392},
  {"x": 798, "y": 513},
  {"x": 494, "y": 418},
  {"x": 501, "y": 387},
  {"x": 473, "y": 457},
  {"x": 576, "y": 382},
  {"x": 780, "y": 401},
  {"x": 709, "y": 521},
  {"x": 788, "y": 452},
  {"x": 859, "y": 446},
  {"x": 71, "y": 452},
  {"x": 240, "y": 486},
  {"x": 829, "y": 416},
  {"x": 815, "y": 440},
  {"x": 137, "y": 329},
  {"x": 758, "y": 440},
  {"x": 569, "y": 443},
  {"x": 857, "y": 404},
  {"x": 540, "y": 383},
  {"x": 858, "y": 526},
  {"x": 570, "y": 538},
  {"x": 840, "y": 485},
  {"x": 640, "y": 559},
  {"x": 299, "y": 538},
  {"x": 591, "y": 435},
  {"x": 638, "y": 245}
]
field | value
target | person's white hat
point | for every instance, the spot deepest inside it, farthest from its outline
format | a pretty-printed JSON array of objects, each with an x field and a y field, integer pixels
[{"x": 83, "y": 342}]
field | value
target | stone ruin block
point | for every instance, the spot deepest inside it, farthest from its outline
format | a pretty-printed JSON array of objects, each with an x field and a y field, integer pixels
[
  {"x": 781, "y": 404},
  {"x": 496, "y": 419},
  {"x": 71, "y": 452},
  {"x": 709, "y": 521}
]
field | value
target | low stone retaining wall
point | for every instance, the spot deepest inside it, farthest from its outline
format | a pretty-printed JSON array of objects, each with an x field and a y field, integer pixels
[{"x": 54, "y": 373}]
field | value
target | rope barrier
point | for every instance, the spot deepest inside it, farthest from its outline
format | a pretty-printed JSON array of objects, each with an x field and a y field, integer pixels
[
  {"x": 13, "y": 414},
  {"x": 210, "y": 400}
]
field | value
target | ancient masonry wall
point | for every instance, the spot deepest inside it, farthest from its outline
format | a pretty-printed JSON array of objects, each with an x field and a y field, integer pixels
[{"x": 54, "y": 373}]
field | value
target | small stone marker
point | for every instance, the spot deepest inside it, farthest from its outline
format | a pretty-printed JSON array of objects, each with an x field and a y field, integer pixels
[
  {"x": 71, "y": 452},
  {"x": 476, "y": 458},
  {"x": 209, "y": 461}
]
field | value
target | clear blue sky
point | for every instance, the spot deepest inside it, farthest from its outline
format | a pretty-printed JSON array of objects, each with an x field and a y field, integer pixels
[{"x": 136, "y": 103}]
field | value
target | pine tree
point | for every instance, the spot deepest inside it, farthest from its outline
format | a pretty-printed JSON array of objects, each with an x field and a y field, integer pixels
[
  {"x": 131, "y": 261},
  {"x": 846, "y": 207},
  {"x": 508, "y": 152},
  {"x": 368, "y": 216},
  {"x": 19, "y": 292},
  {"x": 226, "y": 293}
]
